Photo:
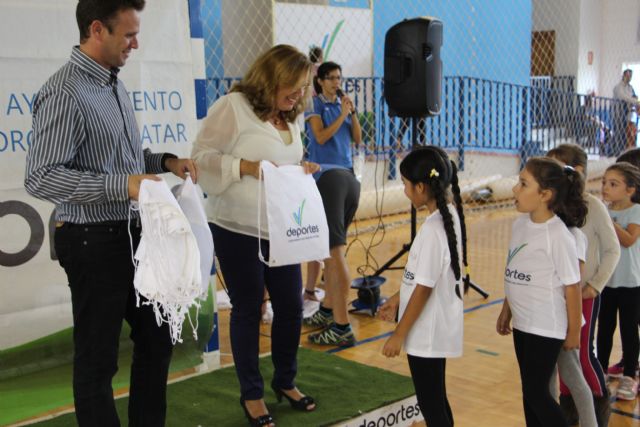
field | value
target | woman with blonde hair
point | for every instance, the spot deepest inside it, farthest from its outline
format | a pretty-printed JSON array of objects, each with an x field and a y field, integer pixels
[{"x": 256, "y": 122}]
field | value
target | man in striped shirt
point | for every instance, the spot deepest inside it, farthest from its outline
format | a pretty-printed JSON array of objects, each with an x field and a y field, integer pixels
[{"x": 87, "y": 158}]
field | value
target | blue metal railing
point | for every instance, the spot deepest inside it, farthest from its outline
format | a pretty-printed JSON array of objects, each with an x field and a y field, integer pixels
[{"x": 477, "y": 114}]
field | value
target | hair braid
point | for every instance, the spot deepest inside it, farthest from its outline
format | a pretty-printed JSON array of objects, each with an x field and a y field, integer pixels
[
  {"x": 455, "y": 189},
  {"x": 447, "y": 219}
]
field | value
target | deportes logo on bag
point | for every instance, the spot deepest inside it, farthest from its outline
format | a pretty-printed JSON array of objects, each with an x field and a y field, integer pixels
[
  {"x": 297, "y": 216},
  {"x": 301, "y": 232}
]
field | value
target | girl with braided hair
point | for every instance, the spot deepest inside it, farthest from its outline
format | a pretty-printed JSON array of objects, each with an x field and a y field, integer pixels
[
  {"x": 542, "y": 280},
  {"x": 429, "y": 304}
]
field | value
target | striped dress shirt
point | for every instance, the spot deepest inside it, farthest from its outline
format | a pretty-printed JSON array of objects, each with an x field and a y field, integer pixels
[{"x": 85, "y": 144}]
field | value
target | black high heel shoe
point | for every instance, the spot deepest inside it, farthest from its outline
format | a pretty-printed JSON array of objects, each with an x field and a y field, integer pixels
[
  {"x": 300, "y": 405},
  {"x": 262, "y": 420}
]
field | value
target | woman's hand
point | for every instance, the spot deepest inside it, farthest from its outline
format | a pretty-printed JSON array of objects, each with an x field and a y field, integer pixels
[
  {"x": 347, "y": 106},
  {"x": 389, "y": 310},
  {"x": 310, "y": 167},
  {"x": 249, "y": 168}
]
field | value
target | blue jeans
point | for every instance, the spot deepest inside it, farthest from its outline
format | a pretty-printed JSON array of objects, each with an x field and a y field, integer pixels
[{"x": 246, "y": 277}]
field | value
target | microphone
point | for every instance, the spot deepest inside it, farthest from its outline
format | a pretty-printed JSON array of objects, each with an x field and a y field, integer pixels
[{"x": 340, "y": 94}]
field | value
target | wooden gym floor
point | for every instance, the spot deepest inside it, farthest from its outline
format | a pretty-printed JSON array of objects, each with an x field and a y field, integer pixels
[{"x": 483, "y": 386}]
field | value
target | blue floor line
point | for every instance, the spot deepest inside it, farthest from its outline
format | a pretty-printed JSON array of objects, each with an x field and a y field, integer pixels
[
  {"x": 625, "y": 414},
  {"x": 387, "y": 334},
  {"x": 468, "y": 310}
]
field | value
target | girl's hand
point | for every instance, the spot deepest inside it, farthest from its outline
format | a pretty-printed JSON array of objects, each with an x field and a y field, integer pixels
[
  {"x": 503, "y": 325},
  {"x": 389, "y": 310},
  {"x": 572, "y": 342},
  {"x": 589, "y": 292},
  {"x": 393, "y": 345},
  {"x": 310, "y": 167}
]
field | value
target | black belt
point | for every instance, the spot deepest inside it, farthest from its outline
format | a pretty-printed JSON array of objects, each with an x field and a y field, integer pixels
[{"x": 107, "y": 224}]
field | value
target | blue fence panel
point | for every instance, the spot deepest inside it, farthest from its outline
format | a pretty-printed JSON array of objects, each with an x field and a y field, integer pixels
[{"x": 481, "y": 115}]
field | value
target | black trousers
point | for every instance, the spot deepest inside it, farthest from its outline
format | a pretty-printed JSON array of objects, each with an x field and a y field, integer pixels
[
  {"x": 625, "y": 303},
  {"x": 97, "y": 260},
  {"x": 537, "y": 358},
  {"x": 246, "y": 278},
  {"x": 428, "y": 376}
]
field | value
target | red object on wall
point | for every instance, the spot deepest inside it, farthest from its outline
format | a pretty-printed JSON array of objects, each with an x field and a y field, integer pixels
[{"x": 590, "y": 57}]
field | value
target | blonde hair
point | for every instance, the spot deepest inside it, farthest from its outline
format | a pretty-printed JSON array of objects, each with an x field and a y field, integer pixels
[{"x": 282, "y": 65}]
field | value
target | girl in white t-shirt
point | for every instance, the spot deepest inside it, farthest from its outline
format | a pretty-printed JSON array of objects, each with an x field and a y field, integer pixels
[
  {"x": 621, "y": 296},
  {"x": 429, "y": 304},
  {"x": 542, "y": 280}
]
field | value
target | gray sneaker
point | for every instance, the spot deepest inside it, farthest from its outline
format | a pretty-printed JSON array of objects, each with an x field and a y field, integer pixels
[
  {"x": 331, "y": 335},
  {"x": 627, "y": 389},
  {"x": 318, "y": 319}
]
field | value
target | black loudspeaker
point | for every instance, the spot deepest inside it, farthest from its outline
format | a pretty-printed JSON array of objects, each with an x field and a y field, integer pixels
[{"x": 412, "y": 68}]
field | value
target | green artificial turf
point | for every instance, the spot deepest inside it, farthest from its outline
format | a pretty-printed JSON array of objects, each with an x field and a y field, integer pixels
[
  {"x": 343, "y": 389},
  {"x": 36, "y": 377}
]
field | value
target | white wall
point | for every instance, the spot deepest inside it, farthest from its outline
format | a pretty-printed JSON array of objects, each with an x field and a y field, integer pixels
[
  {"x": 247, "y": 32},
  {"x": 590, "y": 40},
  {"x": 563, "y": 17},
  {"x": 620, "y": 34}
]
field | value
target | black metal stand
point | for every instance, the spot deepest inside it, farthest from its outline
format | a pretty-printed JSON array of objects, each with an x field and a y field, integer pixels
[{"x": 407, "y": 246}]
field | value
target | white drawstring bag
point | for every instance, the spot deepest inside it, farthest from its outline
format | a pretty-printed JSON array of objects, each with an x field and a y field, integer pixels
[
  {"x": 191, "y": 201},
  {"x": 298, "y": 230},
  {"x": 167, "y": 259}
]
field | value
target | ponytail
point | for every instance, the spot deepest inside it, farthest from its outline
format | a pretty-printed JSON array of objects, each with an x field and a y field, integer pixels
[
  {"x": 572, "y": 207},
  {"x": 455, "y": 189},
  {"x": 567, "y": 186}
]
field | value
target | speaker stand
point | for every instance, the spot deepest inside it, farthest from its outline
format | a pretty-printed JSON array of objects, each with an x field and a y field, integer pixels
[{"x": 407, "y": 246}]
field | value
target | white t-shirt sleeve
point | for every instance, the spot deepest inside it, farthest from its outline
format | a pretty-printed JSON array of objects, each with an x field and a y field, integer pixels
[
  {"x": 564, "y": 256},
  {"x": 431, "y": 257},
  {"x": 634, "y": 217},
  {"x": 581, "y": 243}
]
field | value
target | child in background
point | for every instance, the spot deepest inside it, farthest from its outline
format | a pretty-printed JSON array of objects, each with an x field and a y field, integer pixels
[
  {"x": 603, "y": 252},
  {"x": 542, "y": 281},
  {"x": 631, "y": 156},
  {"x": 429, "y": 304},
  {"x": 622, "y": 294}
]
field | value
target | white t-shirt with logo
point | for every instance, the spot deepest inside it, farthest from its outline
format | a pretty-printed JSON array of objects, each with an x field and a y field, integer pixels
[
  {"x": 542, "y": 260},
  {"x": 437, "y": 332}
]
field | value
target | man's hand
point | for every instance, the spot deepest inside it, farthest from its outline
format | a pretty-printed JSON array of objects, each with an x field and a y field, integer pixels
[
  {"x": 180, "y": 168},
  {"x": 134, "y": 182}
]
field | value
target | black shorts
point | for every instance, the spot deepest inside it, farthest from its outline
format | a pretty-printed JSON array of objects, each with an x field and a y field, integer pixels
[{"x": 340, "y": 191}]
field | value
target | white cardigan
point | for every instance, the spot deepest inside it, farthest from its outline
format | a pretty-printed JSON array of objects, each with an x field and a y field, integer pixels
[{"x": 230, "y": 132}]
